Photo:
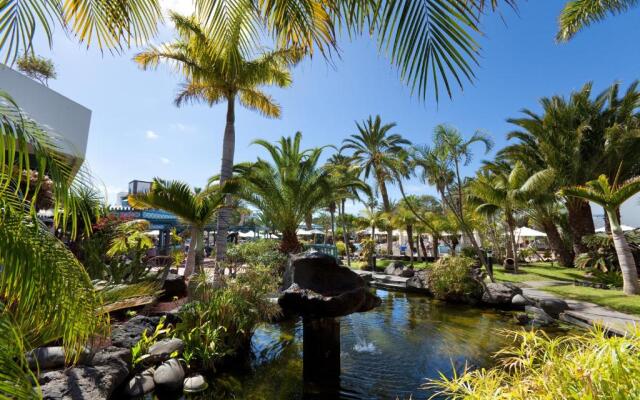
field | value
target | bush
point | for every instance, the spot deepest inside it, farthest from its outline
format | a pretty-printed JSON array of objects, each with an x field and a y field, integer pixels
[
  {"x": 342, "y": 249},
  {"x": 258, "y": 252},
  {"x": 220, "y": 321},
  {"x": 368, "y": 248},
  {"x": 452, "y": 279},
  {"x": 601, "y": 254},
  {"x": 584, "y": 366}
]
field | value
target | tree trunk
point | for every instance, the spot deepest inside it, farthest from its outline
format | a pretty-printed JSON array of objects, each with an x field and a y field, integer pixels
[
  {"x": 226, "y": 171},
  {"x": 332, "y": 211},
  {"x": 417, "y": 246},
  {"x": 625, "y": 257},
  {"x": 512, "y": 241},
  {"x": 581, "y": 223},
  {"x": 507, "y": 243},
  {"x": 565, "y": 255},
  {"x": 387, "y": 208},
  {"x": 290, "y": 243},
  {"x": 345, "y": 235},
  {"x": 410, "y": 240},
  {"x": 190, "y": 266},
  {"x": 436, "y": 243}
]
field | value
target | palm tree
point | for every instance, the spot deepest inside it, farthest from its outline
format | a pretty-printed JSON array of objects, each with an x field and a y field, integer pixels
[
  {"x": 372, "y": 217},
  {"x": 381, "y": 154},
  {"x": 45, "y": 293},
  {"x": 219, "y": 70},
  {"x": 611, "y": 197},
  {"x": 196, "y": 209},
  {"x": 402, "y": 217},
  {"x": 578, "y": 14},
  {"x": 288, "y": 189}
]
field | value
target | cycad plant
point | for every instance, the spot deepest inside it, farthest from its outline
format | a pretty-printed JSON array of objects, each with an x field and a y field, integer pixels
[
  {"x": 196, "y": 209},
  {"x": 380, "y": 154},
  {"x": 611, "y": 196},
  {"x": 45, "y": 293},
  {"x": 288, "y": 188},
  {"x": 220, "y": 66}
]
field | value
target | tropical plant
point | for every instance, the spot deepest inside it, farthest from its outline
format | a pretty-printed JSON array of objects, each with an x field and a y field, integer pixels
[
  {"x": 45, "y": 293},
  {"x": 217, "y": 68},
  {"x": 380, "y": 154},
  {"x": 139, "y": 351},
  {"x": 257, "y": 252},
  {"x": 128, "y": 250},
  {"x": 195, "y": 209},
  {"x": 601, "y": 254},
  {"x": 38, "y": 68},
  {"x": 611, "y": 196},
  {"x": 452, "y": 279},
  {"x": 402, "y": 217},
  {"x": 589, "y": 364},
  {"x": 579, "y": 14},
  {"x": 288, "y": 189}
]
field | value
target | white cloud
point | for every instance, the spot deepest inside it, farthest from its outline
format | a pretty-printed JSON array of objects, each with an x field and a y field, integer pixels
[
  {"x": 151, "y": 135},
  {"x": 184, "y": 7},
  {"x": 165, "y": 160}
]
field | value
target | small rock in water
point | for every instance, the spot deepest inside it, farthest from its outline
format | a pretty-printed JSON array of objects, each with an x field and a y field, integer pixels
[
  {"x": 553, "y": 307},
  {"x": 520, "y": 300},
  {"x": 140, "y": 384},
  {"x": 195, "y": 383},
  {"x": 169, "y": 374}
]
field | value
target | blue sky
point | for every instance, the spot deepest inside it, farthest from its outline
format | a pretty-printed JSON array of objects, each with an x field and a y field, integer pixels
[{"x": 137, "y": 132}]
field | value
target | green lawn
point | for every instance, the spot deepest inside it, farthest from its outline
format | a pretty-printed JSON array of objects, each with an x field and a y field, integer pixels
[
  {"x": 540, "y": 271},
  {"x": 611, "y": 298}
]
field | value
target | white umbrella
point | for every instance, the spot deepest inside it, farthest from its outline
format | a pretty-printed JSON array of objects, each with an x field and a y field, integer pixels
[
  {"x": 625, "y": 228},
  {"x": 528, "y": 232},
  {"x": 247, "y": 235}
]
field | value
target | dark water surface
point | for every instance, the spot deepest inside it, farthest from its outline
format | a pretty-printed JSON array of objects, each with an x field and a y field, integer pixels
[{"x": 386, "y": 353}]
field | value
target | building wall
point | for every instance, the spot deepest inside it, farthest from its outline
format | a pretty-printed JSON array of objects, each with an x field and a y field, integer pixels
[{"x": 67, "y": 119}]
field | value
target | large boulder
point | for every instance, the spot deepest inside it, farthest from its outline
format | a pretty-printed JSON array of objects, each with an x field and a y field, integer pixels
[
  {"x": 520, "y": 301},
  {"x": 52, "y": 357},
  {"x": 419, "y": 282},
  {"x": 316, "y": 286},
  {"x": 394, "y": 268},
  {"x": 163, "y": 350},
  {"x": 130, "y": 332},
  {"x": 170, "y": 374},
  {"x": 107, "y": 370},
  {"x": 499, "y": 293},
  {"x": 538, "y": 317},
  {"x": 140, "y": 384}
]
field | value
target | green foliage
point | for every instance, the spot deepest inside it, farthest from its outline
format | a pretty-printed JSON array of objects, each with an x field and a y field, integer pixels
[
  {"x": 609, "y": 278},
  {"x": 368, "y": 249},
  {"x": 342, "y": 248},
  {"x": 257, "y": 252},
  {"x": 139, "y": 351},
  {"x": 468, "y": 252},
  {"x": 128, "y": 251},
  {"x": 92, "y": 249},
  {"x": 601, "y": 254},
  {"x": 451, "y": 279},
  {"x": 588, "y": 365},
  {"x": 221, "y": 321},
  {"x": 38, "y": 68}
]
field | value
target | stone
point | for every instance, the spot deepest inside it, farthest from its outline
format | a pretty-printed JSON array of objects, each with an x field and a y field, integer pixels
[
  {"x": 408, "y": 272},
  {"x": 316, "y": 286},
  {"x": 419, "y": 282},
  {"x": 163, "y": 350},
  {"x": 130, "y": 332},
  {"x": 140, "y": 384},
  {"x": 394, "y": 268},
  {"x": 553, "y": 307},
  {"x": 522, "y": 318},
  {"x": 539, "y": 316},
  {"x": 521, "y": 301},
  {"x": 173, "y": 286},
  {"x": 195, "y": 383},
  {"x": 499, "y": 293},
  {"x": 509, "y": 265},
  {"x": 52, "y": 357},
  {"x": 170, "y": 374},
  {"x": 108, "y": 369}
]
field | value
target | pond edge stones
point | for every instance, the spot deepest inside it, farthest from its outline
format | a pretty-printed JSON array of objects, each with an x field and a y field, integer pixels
[{"x": 195, "y": 384}]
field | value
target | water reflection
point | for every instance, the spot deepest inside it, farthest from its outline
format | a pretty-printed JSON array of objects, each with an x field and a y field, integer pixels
[{"x": 386, "y": 353}]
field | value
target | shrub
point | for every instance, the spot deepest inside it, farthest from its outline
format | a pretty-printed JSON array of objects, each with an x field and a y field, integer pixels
[
  {"x": 342, "y": 249},
  {"x": 368, "y": 248},
  {"x": 220, "y": 321},
  {"x": 452, "y": 279},
  {"x": 257, "y": 252},
  {"x": 601, "y": 254},
  {"x": 589, "y": 365}
]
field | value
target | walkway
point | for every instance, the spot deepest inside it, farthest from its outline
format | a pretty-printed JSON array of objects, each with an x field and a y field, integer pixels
[{"x": 582, "y": 312}]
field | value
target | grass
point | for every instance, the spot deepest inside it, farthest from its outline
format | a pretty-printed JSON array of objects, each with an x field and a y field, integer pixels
[
  {"x": 540, "y": 271},
  {"x": 612, "y": 298},
  {"x": 382, "y": 264}
]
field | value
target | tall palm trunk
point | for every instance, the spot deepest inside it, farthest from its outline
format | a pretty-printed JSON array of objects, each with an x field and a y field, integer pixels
[
  {"x": 387, "y": 208},
  {"x": 190, "y": 266},
  {"x": 345, "y": 234},
  {"x": 290, "y": 243},
  {"x": 581, "y": 223},
  {"x": 410, "y": 240},
  {"x": 625, "y": 258},
  {"x": 226, "y": 171},
  {"x": 332, "y": 211},
  {"x": 436, "y": 243},
  {"x": 417, "y": 246},
  {"x": 512, "y": 240},
  {"x": 565, "y": 255}
]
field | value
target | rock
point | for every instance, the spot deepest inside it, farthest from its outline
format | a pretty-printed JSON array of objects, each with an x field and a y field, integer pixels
[
  {"x": 52, "y": 358},
  {"x": 419, "y": 281},
  {"x": 129, "y": 333},
  {"x": 521, "y": 301},
  {"x": 169, "y": 375},
  {"x": 318, "y": 287},
  {"x": 108, "y": 370},
  {"x": 408, "y": 272},
  {"x": 499, "y": 293},
  {"x": 539, "y": 316},
  {"x": 394, "y": 268},
  {"x": 195, "y": 383},
  {"x": 509, "y": 265},
  {"x": 162, "y": 350},
  {"x": 553, "y": 307},
  {"x": 174, "y": 286},
  {"x": 140, "y": 384},
  {"x": 522, "y": 318}
]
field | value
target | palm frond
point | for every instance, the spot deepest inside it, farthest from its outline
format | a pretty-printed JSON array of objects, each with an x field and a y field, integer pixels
[{"x": 579, "y": 14}]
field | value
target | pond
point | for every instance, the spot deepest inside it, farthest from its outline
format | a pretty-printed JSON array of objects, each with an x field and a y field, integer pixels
[{"x": 386, "y": 353}]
